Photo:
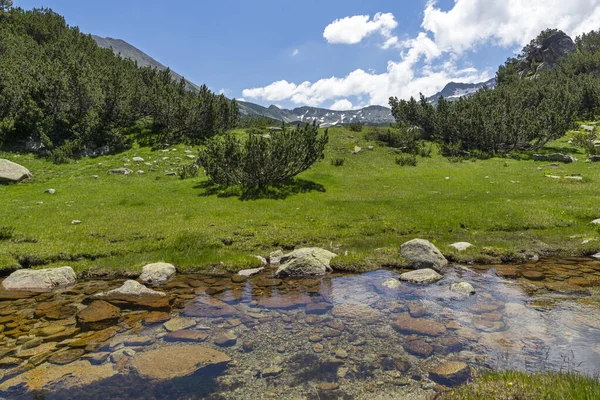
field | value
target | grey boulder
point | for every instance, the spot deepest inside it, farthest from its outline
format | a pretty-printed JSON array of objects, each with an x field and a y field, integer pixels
[
  {"x": 423, "y": 254},
  {"x": 157, "y": 273},
  {"x": 421, "y": 276},
  {"x": 311, "y": 261},
  {"x": 13, "y": 172},
  {"x": 40, "y": 279}
]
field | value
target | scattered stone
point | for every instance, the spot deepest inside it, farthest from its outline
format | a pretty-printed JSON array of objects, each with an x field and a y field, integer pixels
[
  {"x": 238, "y": 278},
  {"x": 318, "y": 308},
  {"x": 421, "y": 276},
  {"x": 177, "y": 324},
  {"x": 392, "y": 284},
  {"x": 170, "y": 362},
  {"x": 418, "y": 348},
  {"x": 66, "y": 356},
  {"x": 596, "y": 221},
  {"x": 137, "y": 159},
  {"x": 419, "y": 326},
  {"x": 225, "y": 339},
  {"x": 120, "y": 171},
  {"x": 250, "y": 272},
  {"x": 136, "y": 294},
  {"x": 75, "y": 222},
  {"x": 172, "y": 173},
  {"x": 13, "y": 172},
  {"x": 40, "y": 279},
  {"x": 450, "y": 373},
  {"x": 416, "y": 309},
  {"x": 315, "y": 338},
  {"x": 363, "y": 312},
  {"x": 273, "y": 370},
  {"x": 533, "y": 275},
  {"x": 248, "y": 346},
  {"x": 588, "y": 128},
  {"x": 263, "y": 261},
  {"x": 157, "y": 273},
  {"x": 318, "y": 348},
  {"x": 186, "y": 335},
  {"x": 98, "y": 315},
  {"x": 462, "y": 288},
  {"x": 357, "y": 150},
  {"x": 50, "y": 191},
  {"x": 461, "y": 246},
  {"x": 507, "y": 271},
  {"x": 341, "y": 354},
  {"x": 51, "y": 330},
  {"x": 423, "y": 254},
  {"x": 207, "y": 307},
  {"x": 558, "y": 157},
  {"x": 328, "y": 386},
  {"x": 306, "y": 262}
]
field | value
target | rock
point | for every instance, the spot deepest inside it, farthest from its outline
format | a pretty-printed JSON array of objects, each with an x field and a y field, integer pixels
[
  {"x": 450, "y": 373},
  {"x": 13, "y": 172},
  {"x": 251, "y": 272},
  {"x": 157, "y": 273},
  {"x": 225, "y": 339},
  {"x": 172, "y": 173},
  {"x": 594, "y": 159},
  {"x": 596, "y": 221},
  {"x": 341, "y": 354},
  {"x": 463, "y": 288},
  {"x": 328, "y": 386},
  {"x": 98, "y": 315},
  {"x": 461, "y": 246},
  {"x": 40, "y": 279},
  {"x": 186, "y": 335},
  {"x": 51, "y": 330},
  {"x": 50, "y": 191},
  {"x": 546, "y": 55},
  {"x": 170, "y": 362},
  {"x": 421, "y": 276},
  {"x": 564, "y": 158},
  {"x": 418, "y": 348},
  {"x": 362, "y": 312},
  {"x": 137, "y": 159},
  {"x": 275, "y": 257},
  {"x": 120, "y": 171},
  {"x": 507, "y": 271},
  {"x": 318, "y": 308},
  {"x": 135, "y": 294},
  {"x": 263, "y": 261},
  {"x": 273, "y": 370},
  {"x": 94, "y": 339},
  {"x": 533, "y": 275},
  {"x": 289, "y": 301},
  {"x": 419, "y": 326},
  {"x": 75, "y": 222},
  {"x": 238, "y": 278},
  {"x": 207, "y": 307},
  {"x": 423, "y": 254},
  {"x": 305, "y": 262},
  {"x": 588, "y": 128},
  {"x": 177, "y": 324},
  {"x": 392, "y": 284},
  {"x": 66, "y": 356},
  {"x": 416, "y": 309}
]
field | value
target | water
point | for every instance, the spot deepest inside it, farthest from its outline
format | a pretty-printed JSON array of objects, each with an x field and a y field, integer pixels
[{"x": 336, "y": 337}]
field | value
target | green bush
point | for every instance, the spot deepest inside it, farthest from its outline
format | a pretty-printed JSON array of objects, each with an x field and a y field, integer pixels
[
  {"x": 407, "y": 160},
  {"x": 7, "y": 232},
  {"x": 188, "y": 171},
  {"x": 356, "y": 126},
  {"x": 259, "y": 161},
  {"x": 337, "y": 162},
  {"x": 586, "y": 141}
]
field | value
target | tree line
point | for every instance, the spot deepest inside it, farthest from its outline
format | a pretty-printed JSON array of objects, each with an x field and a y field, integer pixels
[
  {"x": 58, "y": 88},
  {"x": 519, "y": 114}
]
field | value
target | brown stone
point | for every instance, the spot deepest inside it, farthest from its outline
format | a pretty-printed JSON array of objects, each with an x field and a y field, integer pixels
[
  {"x": 318, "y": 308},
  {"x": 225, "y": 339},
  {"x": 44, "y": 307},
  {"x": 533, "y": 275},
  {"x": 285, "y": 302},
  {"x": 418, "y": 348},
  {"x": 15, "y": 294},
  {"x": 266, "y": 282},
  {"x": 419, "y": 326},
  {"x": 207, "y": 307},
  {"x": 507, "y": 271},
  {"x": 98, "y": 315},
  {"x": 238, "y": 278},
  {"x": 66, "y": 356},
  {"x": 566, "y": 288},
  {"x": 328, "y": 386},
  {"x": 62, "y": 312},
  {"x": 362, "y": 312},
  {"x": 96, "y": 338},
  {"x": 453, "y": 325},
  {"x": 59, "y": 337},
  {"x": 51, "y": 330},
  {"x": 155, "y": 317},
  {"x": 485, "y": 306},
  {"x": 416, "y": 309},
  {"x": 43, "y": 348},
  {"x": 171, "y": 362},
  {"x": 450, "y": 373},
  {"x": 186, "y": 335}
]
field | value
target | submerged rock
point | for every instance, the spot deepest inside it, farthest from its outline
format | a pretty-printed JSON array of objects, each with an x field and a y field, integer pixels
[
  {"x": 157, "y": 273},
  {"x": 450, "y": 373},
  {"x": 13, "y": 172},
  {"x": 423, "y": 254},
  {"x": 98, "y": 315},
  {"x": 421, "y": 276},
  {"x": 419, "y": 326},
  {"x": 311, "y": 261},
  {"x": 40, "y": 279},
  {"x": 136, "y": 294},
  {"x": 463, "y": 288},
  {"x": 363, "y": 312},
  {"x": 170, "y": 362}
]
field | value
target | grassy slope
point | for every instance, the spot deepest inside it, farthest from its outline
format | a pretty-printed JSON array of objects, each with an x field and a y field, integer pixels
[{"x": 367, "y": 207}]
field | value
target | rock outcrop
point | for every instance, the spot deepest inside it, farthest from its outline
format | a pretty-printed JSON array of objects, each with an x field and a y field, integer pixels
[
  {"x": 40, "y": 279},
  {"x": 423, "y": 254},
  {"x": 13, "y": 172},
  {"x": 311, "y": 261},
  {"x": 545, "y": 56},
  {"x": 558, "y": 157}
]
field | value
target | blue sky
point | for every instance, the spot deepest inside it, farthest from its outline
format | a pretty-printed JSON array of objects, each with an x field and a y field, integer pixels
[{"x": 345, "y": 54}]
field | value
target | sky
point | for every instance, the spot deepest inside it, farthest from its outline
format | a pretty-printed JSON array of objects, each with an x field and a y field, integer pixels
[{"x": 339, "y": 54}]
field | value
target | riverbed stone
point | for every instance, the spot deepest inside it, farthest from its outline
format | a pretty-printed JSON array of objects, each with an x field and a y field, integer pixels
[
  {"x": 40, "y": 279},
  {"x": 225, "y": 339},
  {"x": 176, "y": 324},
  {"x": 170, "y": 362},
  {"x": 133, "y": 293},
  {"x": 157, "y": 273},
  {"x": 423, "y": 254},
  {"x": 186, "y": 335},
  {"x": 392, "y": 284},
  {"x": 207, "y": 307},
  {"x": 250, "y": 272},
  {"x": 98, "y": 315},
  {"x": 421, "y": 276},
  {"x": 312, "y": 261},
  {"x": 66, "y": 356},
  {"x": 462, "y": 288},
  {"x": 419, "y": 326},
  {"x": 450, "y": 373},
  {"x": 362, "y": 312},
  {"x": 13, "y": 172},
  {"x": 418, "y": 348},
  {"x": 533, "y": 275}
]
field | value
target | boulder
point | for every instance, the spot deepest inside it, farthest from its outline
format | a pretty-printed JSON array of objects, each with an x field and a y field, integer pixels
[
  {"x": 275, "y": 257},
  {"x": 558, "y": 157},
  {"x": 450, "y": 373},
  {"x": 133, "y": 293},
  {"x": 358, "y": 311},
  {"x": 250, "y": 272},
  {"x": 120, "y": 171},
  {"x": 594, "y": 159},
  {"x": 463, "y": 288},
  {"x": 546, "y": 55},
  {"x": 98, "y": 315},
  {"x": 40, "y": 279},
  {"x": 418, "y": 326},
  {"x": 13, "y": 172},
  {"x": 461, "y": 246},
  {"x": 170, "y": 362},
  {"x": 157, "y": 273},
  {"x": 391, "y": 284},
  {"x": 421, "y": 276},
  {"x": 423, "y": 254},
  {"x": 306, "y": 262}
]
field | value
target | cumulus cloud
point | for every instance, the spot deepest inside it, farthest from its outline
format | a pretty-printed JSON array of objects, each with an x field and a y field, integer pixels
[
  {"x": 352, "y": 30},
  {"x": 295, "y": 52},
  {"x": 433, "y": 57},
  {"x": 341, "y": 105}
]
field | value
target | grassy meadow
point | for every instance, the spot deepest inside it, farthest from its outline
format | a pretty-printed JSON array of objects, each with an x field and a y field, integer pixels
[{"x": 363, "y": 210}]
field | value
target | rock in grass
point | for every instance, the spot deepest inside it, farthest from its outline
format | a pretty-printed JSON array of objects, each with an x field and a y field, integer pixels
[
  {"x": 157, "y": 273},
  {"x": 596, "y": 221},
  {"x": 311, "y": 261},
  {"x": 120, "y": 171},
  {"x": 461, "y": 246},
  {"x": 564, "y": 158},
  {"x": 50, "y": 191},
  {"x": 40, "y": 279},
  {"x": 421, "y": 276},
  {"x": 138, "y": 159},
  {"x": 463, "y": 288},
  {"x": 13, "y": 172},
  {"x": 423, "y": 254}
]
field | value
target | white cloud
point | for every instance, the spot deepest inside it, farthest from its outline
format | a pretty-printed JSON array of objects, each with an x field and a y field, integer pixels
[
  {"x": 434, "y": 56},
  {"x": 341, "y": 105},
  {"x": 295, "y": 52},
  {"x": 352, "y": 30}
]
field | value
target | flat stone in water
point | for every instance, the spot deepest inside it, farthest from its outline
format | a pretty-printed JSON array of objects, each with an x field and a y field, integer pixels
[
  {"x": 362, "y": 312},
  {"x": 419, "y": 326},
  {"x": 177, "y": 324},
  {"x": 66, "y": 356},
  {"x": 450, "y": 373},
  {"x": 225, "y": 339},
  {"x": 99, "y": 314},
  {"x": 207, "y": 307},
  {"x": 186, "y": 335},
  {"x": 418, "y": 348},
  {"x": 421, "y": 276},
  {"x": 533, "y": 275}
]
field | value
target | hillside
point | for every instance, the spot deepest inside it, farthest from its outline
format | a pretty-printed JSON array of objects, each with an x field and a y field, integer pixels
[{"x": 455, "y": 90}]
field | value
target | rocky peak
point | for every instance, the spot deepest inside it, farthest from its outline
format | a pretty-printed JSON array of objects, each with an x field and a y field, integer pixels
[{"x": 553, "y": 48}]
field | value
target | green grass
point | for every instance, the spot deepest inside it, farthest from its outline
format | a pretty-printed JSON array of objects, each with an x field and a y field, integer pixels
[
  {"x": 363, "y": 210},
  {"x": 520, "y": 386}
]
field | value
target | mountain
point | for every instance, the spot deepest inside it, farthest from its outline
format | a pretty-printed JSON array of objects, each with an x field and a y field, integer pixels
[
  {"x": 455, "y": 90},
  {"x": 375, "y": 115}
]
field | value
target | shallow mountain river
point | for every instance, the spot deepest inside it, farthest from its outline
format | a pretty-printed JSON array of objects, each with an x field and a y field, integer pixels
[{"x": 336, "y": 337}]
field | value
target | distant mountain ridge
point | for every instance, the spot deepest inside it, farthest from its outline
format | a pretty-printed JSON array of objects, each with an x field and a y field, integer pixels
[{"x": 455, "y": 90}]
